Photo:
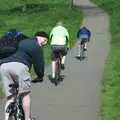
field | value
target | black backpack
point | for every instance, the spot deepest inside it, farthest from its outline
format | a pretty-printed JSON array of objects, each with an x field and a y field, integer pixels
[{"x": 9, "y": 42}]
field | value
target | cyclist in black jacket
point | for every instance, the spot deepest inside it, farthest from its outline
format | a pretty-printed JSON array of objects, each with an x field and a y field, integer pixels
[{"x": 18, "y": 65}]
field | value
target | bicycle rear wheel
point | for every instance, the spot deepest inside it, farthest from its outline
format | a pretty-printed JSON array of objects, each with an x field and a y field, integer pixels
[
  {"x": 58, "y": 66},
  {"x": 82, "y": 51},
  {"x": 57, "y": 70}
]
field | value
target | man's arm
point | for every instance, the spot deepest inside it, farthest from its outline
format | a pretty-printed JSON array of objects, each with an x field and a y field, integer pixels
[
  {"x": 38, "y": 62},
  {"x": 51, "y": 34}
]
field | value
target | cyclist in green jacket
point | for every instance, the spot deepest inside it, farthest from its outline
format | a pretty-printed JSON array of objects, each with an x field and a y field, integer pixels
[{"x": 59, "y": 37}]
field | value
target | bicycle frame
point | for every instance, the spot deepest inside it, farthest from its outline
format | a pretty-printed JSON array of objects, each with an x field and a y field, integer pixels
[{"x": 58, "y": 66}]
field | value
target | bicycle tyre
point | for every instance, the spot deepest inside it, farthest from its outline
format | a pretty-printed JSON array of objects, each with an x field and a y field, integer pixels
[
  {"x": 82, "y": 51},
  {"x": 58, "y": 66},
  {"x": 19, "y": 116},
  {"x": 21, "y": 113},
  {"x": 11, "y": 118},
  {"x": 57, "y": 70}
]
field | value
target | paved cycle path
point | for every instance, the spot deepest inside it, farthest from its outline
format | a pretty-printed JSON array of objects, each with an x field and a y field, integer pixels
[{"x": 78, "y": 96}]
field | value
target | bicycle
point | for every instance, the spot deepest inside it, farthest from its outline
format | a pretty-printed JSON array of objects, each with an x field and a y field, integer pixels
[
  {"x": 82, "y": 49},
  {"x": 15, "y": 108}
]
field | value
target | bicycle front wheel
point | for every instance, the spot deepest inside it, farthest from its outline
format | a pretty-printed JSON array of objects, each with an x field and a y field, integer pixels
[
  {"x": 18, "y": 114},
  {"x": 12, "y": 117}
]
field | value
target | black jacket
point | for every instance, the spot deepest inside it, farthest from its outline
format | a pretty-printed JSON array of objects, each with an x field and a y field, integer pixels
[{"x": 29, "y": 52}]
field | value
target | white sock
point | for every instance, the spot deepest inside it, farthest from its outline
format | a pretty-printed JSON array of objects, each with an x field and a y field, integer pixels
[
  {"x": 63, "y": 59},
  {"x": 85, "y": 46},
  {"x": 79, "y": 46},
  {"x": 53, "y": 69}
]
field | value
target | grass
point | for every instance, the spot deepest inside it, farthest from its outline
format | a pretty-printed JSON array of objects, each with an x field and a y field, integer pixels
[
  {"x": 40, "y": 15},
  {"x": 1, "y": 92},
  {"x": 111, "y": 82}
]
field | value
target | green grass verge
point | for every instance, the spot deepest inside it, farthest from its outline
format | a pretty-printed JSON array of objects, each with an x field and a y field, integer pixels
[
  {"x": 111, "y": 82},
  {"x": 1, "y": 92},
  {"x": 40, "y": 15}
]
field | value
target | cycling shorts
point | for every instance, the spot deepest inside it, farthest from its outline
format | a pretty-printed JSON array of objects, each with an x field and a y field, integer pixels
[{"x": 58, "y": 49}]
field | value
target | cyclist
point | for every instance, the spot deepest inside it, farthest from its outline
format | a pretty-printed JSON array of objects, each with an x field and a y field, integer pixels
[
  {"x": 59, "y": 37},
  {"x": 18, "y": 65},
  {"x": 9, "y": 42},
  {"x": 82, "y": 33}
]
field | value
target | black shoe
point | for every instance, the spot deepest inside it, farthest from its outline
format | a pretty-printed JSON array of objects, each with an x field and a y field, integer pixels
[
  {"x": 53, "y": 78},
  {"x": 85, "y": 49},
  {"x": 78, "y": 57},
  {"x": 37, "y": 80},
  {"x": 62, "y": 66}
]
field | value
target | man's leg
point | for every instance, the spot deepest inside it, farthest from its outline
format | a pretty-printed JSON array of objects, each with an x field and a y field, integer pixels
[
  {"x": 27, "y": 105},
  {"x": 25, "y": 88},
  {"x": 53, "y": 68},
  {"x": 64, "y": 53},
  {"x": 79, "y": 46},
  {"x": 63, "y": 62},
  {"x": 85, "y": 47},
  {"x": 53, "y": 57},
  {"x": 86, "y": 42}
]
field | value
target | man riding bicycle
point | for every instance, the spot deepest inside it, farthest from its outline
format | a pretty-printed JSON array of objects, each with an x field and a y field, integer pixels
[
  {"x": 59, "y": 37},
  {"x": 83, "y": 36},
  {"x": 17, "y": 66}
]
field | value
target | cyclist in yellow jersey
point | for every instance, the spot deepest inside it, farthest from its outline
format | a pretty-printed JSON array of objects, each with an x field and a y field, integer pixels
[{"x": 59, "y": 37}]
